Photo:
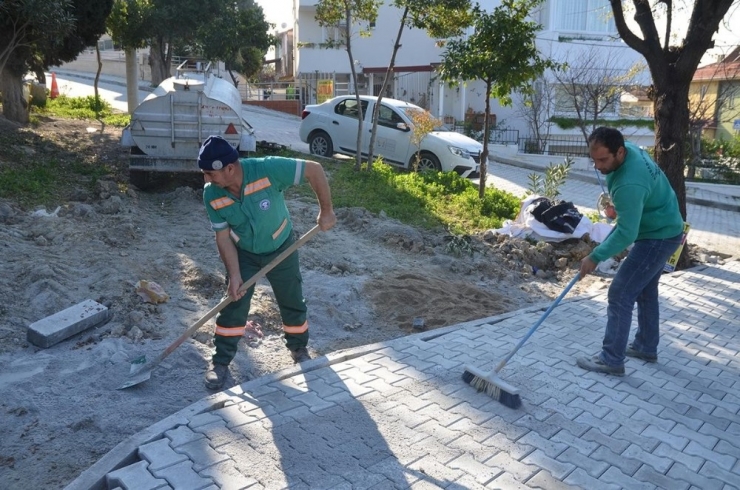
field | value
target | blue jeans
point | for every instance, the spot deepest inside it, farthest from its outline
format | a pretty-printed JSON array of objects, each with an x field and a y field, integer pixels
[{"x": 636, "y": 281}]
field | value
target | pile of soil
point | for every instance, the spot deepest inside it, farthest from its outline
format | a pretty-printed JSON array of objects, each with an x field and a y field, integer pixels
[{"x": 365, "y": 281}]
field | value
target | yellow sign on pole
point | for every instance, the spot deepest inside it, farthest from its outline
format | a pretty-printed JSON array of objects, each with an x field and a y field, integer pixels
[{"x": 324, "y": 90}]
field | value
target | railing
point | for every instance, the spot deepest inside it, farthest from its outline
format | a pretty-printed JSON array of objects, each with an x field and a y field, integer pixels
[
  {"x": 270, "y": 91},
  {"x": 726, "y": 170},
  {"x": 560, "y": 146},
  {"x": 496, "y": 136}
]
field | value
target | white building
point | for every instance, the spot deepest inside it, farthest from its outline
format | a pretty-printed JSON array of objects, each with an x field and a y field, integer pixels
[{"x": 572, "y": 29}]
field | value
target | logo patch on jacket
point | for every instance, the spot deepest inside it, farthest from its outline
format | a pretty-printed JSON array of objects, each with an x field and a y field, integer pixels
[{"x": 265, "y": 204}]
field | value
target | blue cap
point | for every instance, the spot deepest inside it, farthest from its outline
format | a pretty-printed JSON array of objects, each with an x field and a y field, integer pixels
[{"x": 216, "y": 153}]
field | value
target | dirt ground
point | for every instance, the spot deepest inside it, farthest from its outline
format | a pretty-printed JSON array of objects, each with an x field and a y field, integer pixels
[{"x": 364, "y": 281}]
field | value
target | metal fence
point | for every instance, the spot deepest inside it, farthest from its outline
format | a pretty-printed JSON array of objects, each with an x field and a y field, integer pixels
[
  {"x": 270, "y": 91},
  {"x": 560, "y": 146},
  {"x": 496, "y": 136}
]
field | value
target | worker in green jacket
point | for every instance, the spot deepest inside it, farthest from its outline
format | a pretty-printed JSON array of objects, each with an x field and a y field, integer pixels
[
  {"x": 245, "y": 204},
  {"x": 648, "y": 216}
]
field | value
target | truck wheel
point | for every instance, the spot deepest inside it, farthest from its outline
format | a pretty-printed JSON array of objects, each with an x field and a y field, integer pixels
[
  {"x": 320, "y": 144},
  {"x": 142, "y": 179}
]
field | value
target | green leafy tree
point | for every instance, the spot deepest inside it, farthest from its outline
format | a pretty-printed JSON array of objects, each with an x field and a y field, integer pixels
[
  {"x": 672, "y": 62},
  {"x": 217, "y": 30},
  {"x": 35, "y": 35},
  {"x": 173, "y": 25},
  {"x": 502, "y": 53},
  {"x": 343, "y": 15},
  {"x": 26, "y": 23},
  {"x": 129, "y": 23},
  {"x": 238, "y": 36},
  {"x": 440, "y": 18}
]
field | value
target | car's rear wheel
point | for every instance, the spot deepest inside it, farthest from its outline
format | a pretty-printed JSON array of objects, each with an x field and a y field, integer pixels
[
  {"x": 320, "y": 144},
  {"x": 427, "y": 162}
]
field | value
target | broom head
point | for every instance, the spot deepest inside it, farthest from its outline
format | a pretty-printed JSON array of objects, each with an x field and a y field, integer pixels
[{"x": 497, "y": 388}]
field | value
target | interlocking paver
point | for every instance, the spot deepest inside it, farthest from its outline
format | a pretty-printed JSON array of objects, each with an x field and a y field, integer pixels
[
  {"x": 677, "y": 442},
  {"x": 218, "y": 433},
  {"x": 581, "y": 479},
  {"x": 481, "y": 472},
  {"x": 135, "y": 477},
  {"x": 648, "y": 474},
  {"x": 182, "y": 476},
  {"x": 160, "y": 454},
  {"x": 545, "y": 481},
  {"x": 614, "y": 476},
  {"x": 723, "y": 461},
  {"x": 658, "y": 463},
  {"x": 201, "y": 454},
  {"x": 228, "y": 477},
  {"x": 387, "y": 421},
  {"x": 182, "y": 435},
  {"x": 555, "y": 468},
  {"x": 682, "y": 473},
  {"x": 593, "y": 467}
]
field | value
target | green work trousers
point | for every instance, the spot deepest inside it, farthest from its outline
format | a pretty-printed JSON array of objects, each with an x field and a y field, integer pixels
[{"x": 286, "y": 282}]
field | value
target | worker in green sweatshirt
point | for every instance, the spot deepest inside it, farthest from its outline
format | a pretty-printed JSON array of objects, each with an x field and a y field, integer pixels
[{"x": 648, "y": 216}]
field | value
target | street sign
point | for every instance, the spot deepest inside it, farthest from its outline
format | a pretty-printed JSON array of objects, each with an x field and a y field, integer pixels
[
  {"x": 736, "y": 125},
  {"x": 325, "y": 90}
]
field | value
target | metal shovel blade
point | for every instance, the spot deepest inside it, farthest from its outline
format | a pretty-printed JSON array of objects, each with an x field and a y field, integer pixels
[{"x": 138, "y": 374}]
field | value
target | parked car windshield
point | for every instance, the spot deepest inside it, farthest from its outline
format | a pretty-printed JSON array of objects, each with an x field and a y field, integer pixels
[{"x": 413, "y": 112}]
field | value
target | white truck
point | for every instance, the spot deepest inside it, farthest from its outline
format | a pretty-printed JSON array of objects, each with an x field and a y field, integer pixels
[{"x": 170, "y": 124}]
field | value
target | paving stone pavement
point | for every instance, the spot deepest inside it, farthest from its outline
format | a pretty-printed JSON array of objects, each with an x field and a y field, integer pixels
[{"x": 397, "y": 414}]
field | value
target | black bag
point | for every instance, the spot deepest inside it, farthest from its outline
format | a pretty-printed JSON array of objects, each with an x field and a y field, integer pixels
[{"x": 559, "y": 216}]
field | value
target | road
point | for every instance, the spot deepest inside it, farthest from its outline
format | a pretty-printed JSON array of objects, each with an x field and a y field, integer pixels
[{"x": 114, "y": 93}]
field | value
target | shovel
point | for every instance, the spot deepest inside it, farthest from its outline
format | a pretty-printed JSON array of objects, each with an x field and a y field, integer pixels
[{"x": 141, "y": 370}]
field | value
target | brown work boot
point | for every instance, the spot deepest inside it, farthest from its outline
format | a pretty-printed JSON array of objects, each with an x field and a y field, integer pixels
[
  {"x": 216, "y": 376},
  {"x": 632, "y": 352},
  {"x": 300, "y": 355},
  {"x": 596, "y": 365}
]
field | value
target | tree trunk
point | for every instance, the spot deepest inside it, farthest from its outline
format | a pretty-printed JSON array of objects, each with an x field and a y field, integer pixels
[
  {"x": 360, "y": 113},
  {"x": 158, "y": 62},
  {"x": 132, "y": 80},
  {"x": 98, "y": 102},
  {"x": 486, "y": 133},
  {"x": 386, "y": 79},
  {"x": 15, "y": 106},
  {"x": 671, "y": 126}
]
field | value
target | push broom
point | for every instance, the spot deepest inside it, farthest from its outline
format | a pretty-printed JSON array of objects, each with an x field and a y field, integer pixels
[{"x": 491, "y": 383}]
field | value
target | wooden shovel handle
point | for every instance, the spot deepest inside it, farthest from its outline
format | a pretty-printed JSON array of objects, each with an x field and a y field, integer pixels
[{"x": 249, "y": 283}]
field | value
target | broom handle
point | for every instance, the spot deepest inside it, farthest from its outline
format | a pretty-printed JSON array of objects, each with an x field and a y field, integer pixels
[
  {"x": 534, "y": 327},
  {"x": 249, "y": 283}
]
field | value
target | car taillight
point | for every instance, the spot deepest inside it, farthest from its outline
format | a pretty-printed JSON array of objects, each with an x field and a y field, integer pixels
[{"x": 304, "y": 114}]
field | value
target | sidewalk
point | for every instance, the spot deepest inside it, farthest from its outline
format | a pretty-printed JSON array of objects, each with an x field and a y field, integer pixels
[
  {"x": 721, "y": 196},
  {"x": 397, "y": 415}
]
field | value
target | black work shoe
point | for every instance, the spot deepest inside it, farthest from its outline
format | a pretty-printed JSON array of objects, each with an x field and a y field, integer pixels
[
  {"x": 596, "y": 365},
  {"x": 216, "y": 376},
  {"x": 299, "y": 355},
  {"x": 632, "y": 352}
]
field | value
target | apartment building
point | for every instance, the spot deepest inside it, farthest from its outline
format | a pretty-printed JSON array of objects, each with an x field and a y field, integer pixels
[{"x": 573, "y": 30}]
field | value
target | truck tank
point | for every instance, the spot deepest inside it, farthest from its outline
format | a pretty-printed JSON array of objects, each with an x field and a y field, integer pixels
[{"x": 169, "y": 126}]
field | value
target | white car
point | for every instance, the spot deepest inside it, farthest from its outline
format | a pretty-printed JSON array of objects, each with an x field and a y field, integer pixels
[{"x": 331, "y": 127}]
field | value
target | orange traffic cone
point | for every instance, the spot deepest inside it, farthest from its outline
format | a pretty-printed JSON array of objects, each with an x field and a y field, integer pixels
[{"x": 54, "y": 93}]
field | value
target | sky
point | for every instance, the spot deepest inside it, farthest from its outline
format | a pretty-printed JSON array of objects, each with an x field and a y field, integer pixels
[{"x": 277, "y": 12}]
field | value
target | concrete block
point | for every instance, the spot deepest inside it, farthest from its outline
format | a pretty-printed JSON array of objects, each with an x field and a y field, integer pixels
[
  {"x": 66, "y": 323},
  {"x": 135, "y": 476}
]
